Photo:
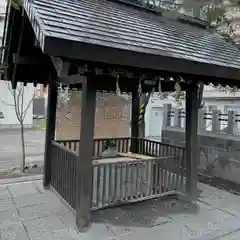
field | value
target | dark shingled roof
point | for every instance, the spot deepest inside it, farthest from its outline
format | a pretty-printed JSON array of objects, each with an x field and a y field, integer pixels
[{"x": 117, "y": 25}]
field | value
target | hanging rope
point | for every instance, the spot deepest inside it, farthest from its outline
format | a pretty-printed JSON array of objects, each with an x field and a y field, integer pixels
[
  {"x": 159, "y": 86},
  {"x": 63, "y": 95},
  {"x": 140, "y": 87},
  {"x": 118, "y": 90},
  {"x": 177, "y": 87}
]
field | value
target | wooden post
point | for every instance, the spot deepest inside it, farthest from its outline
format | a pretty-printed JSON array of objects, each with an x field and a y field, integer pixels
[
  {"x": 191, "y": 139},
  {"x": 177, "y": 118},
  {"x": 84, "y": 164},
  {"x": 166, "y": 116},
  {"x": 231, "y": 122},
  {"x": 142, "y": 102},
  {"x": 201, "y": 120},
  {"x": 215, "y": 121},
  {"x": 50, "y": 132},
  {"x": 135, "y": 118},
  {"x": 212, "y": 107}
]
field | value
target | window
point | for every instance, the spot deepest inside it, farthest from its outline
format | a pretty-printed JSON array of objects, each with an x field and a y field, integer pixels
[{"x": 231, "y": 108}]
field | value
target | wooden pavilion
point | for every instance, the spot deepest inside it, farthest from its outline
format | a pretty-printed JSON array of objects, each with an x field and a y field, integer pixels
[{"x": 109, "y": 45}]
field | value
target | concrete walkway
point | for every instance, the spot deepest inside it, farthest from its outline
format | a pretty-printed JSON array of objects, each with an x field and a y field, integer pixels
[
  {"x": 10, "y": 148},
  {"x": 27, "y": 212}
]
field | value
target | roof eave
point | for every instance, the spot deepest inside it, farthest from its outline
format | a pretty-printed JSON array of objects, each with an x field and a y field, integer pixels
[{"x": 108, "y": 55}]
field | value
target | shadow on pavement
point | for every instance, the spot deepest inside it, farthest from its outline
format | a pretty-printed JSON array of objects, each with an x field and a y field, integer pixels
[{"x": 147, "y": 214}]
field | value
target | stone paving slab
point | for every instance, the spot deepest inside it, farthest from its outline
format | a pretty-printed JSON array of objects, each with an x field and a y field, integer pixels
[
  {"x": 6, "y": 203},
  {"x": 67, "y": 234},
  {"x": 223, "y": 201},
  {"x": 39, "y": 186},
  {"x": 22, "y": 189},
  {"x": 42, "y": 226},
  {"x": 35, "y": 212},
  {"x": 28, "y": 212},
  {"x": 29, "y": 200},
  {"x": 13, "y": 231},
  {"x": 9, "y": 216},
  {"x": 231, "y": 236},
  {"x": 4, "y": 193}
]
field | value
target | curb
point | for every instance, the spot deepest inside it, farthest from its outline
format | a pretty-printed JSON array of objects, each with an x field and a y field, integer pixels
[{"x": 21, "y": 179}]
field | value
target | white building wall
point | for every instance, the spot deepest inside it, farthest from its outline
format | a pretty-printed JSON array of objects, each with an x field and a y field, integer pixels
[
  {"x": 155, "y": 104},
  {"x": 211, "y": 93},
  {"x": 224, "y": 106},
  {"x": 7, "y": 106}
]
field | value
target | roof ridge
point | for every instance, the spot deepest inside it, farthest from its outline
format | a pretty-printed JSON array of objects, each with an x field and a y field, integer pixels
[
  {"x": 171, "y": 14},
  {"x": 139, "y": 5},
  {"x": 193, "y": 21}
]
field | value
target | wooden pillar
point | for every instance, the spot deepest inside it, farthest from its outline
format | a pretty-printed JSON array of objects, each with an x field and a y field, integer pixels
[
  {"x": 142, "y": 102},
  {"x": 202, "y": 121},
  {"x": 177, "y": 118},
  {"x": 215, "y": 121},
  {"x": 231, "y": 122},
  {"x": 191, "y": 139},
  {"x": 135, "y": 118},
  {"x": 50, "y": 132},
  {"x": 84, "y": 164},
  {"x": 167, "y": 116}
]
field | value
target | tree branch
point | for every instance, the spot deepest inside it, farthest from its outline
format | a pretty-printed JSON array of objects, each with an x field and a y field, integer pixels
[
  {"x": 10, "y": 88},
  {"x": 28, "y": 106},
  {"x": 16, "y": 105},
  {"x": 8, "y": 104},
  {"x": 22, "y": 98}
]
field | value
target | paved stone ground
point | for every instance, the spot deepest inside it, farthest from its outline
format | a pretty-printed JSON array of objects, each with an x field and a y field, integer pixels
[{"x": 27, "y": 212}]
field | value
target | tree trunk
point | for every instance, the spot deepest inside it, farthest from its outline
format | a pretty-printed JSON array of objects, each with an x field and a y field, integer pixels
[
  {"x": 23, "y": 148},
  {"x": 144, "y": 100}
]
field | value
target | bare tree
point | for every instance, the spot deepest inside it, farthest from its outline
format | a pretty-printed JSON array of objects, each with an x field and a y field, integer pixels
[{"x": 20, "y": 108}]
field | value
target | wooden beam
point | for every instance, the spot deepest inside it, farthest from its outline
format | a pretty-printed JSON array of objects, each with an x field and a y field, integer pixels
[
  {"x": 143, "y": 61},
  {"x": 134, "y": 122},
  {"x": 191, "y": 139},
  {"x": 50, "y": 132},
  {"x": 73, "y": 79},
  {"x": 29, "y": 60},
  {"x": 84, "y": 164}
]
